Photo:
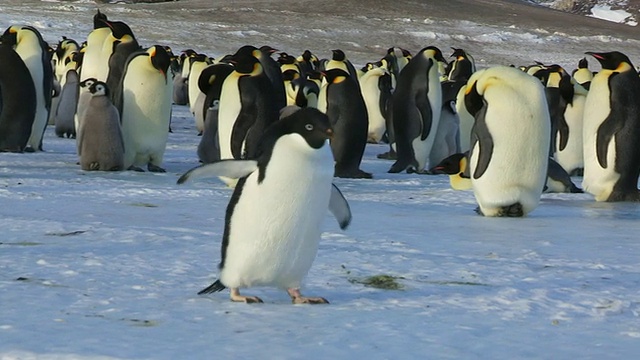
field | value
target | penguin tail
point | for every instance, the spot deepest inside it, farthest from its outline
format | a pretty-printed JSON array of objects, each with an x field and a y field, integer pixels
[
  {"x": 575, "y": 190},
  {"x": 215, "y": 287}
]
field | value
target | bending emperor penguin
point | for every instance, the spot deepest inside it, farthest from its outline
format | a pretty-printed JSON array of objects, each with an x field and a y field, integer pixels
[
  {"x": 145, "y": 105},
  {"x": 273, "y": 224},
  {"x": 100, "y": 143},
  {"x": 28, "y": 43},
  {"x": 417, "y": 102},
  {"x": 611, "y": 130},
  {"x": 509, "y": 141}
]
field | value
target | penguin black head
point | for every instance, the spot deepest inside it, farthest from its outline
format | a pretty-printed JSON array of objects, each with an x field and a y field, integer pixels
[
  {"x": 458, "y": 53},
  {"x": 307, "y": 56},
  {"x": 248, "y": 50},
  {"x": 246, "y": 64},
  {"x": 614, "y": 60},
  {"x": 335, "y": 75},
  {"x": 214, "y": 74},
  {"x": 435, "y": 52},
  {"x": 473, "y": 101},
  {"x": 99, "y": 20},
  {"x": 99, "y": 88},
  {"x": 310, "y": 123},
  {"x": 119, "y": 29},
  {"x": 286, "y": 59},
  {"x": 583, "y": 63},
  {"x": 160, "y": 59},
  {"x": 452, "y": 165},
  {"x": 10, "y": 36},
  {"x": 338, "y": 55},
  {"x": 290, "y": 75},
  {"x": 268, "y": 50},
  {"x": 77, "y": 57}
]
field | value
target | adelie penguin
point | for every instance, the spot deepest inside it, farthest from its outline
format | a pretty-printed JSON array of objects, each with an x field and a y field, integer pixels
[
  {"x": 611, "y": 130},
  {"x": 416, "y": 106},
  {"x": 341, "y": 99},
  {"x": 273, "y": 224},
  {"x": 509, "y": 141}
]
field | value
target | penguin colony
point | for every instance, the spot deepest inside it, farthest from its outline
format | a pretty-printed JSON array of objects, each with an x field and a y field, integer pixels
[{"x": 264, "y": 116}]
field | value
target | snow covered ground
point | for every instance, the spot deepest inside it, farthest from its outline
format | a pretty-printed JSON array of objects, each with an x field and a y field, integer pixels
[{"x": 107, "y": 265}]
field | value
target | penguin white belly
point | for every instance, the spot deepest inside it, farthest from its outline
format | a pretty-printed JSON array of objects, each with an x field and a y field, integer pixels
[
  {"x": 194, "y": 92},
  {"x": 517, "y": 170},
  {"x": 466, "y": 120},
  {"x": 230, "y": 106},
  {"x": 31, "y": 54},
  {"x": 371, "y": 96},
  {"x": 146, "y": 113},
  {"x": 94, "y": 64},
  {"x": 571, "y": 157},
  {"x": 275, "y": 226},
  {"x": 597, "y": 180}
]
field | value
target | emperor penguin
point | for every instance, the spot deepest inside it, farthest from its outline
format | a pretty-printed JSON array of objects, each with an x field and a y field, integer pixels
[
  {"x": 446, "y": 141},
  {"x": 339, "y": 60},
  {"x": 65, "y": 49},
  {"x": 64, "y": 53},
  {"x": 101, "y": 146},
  {"x": 462, "y": 67},
  {"x": 272, "y": 224},
  {"x": 145, "y": 106},
  {"x": 341, "y": 100},
  {"x": 417, "y": 103},
  {"x": 456, "y": 166},
  {"x": 124, "y": 45},
  {"x": 84, "y": 95},
  {"x": 376, "y": 91},
  {"x": 466, "y": 120},
  {"x": 180, "y": 85},
  {"x": 196, "y": 96},
  {"x": 67, "y": 104},
  {"x": 567, "y": 139},
  {"x": 271, "y": 70},
  {"x": 308, "y": 62},
  {"x": 611, "y": 130},
  {"x": 305, "y": 90},
  {"x": 247, "y": 107},
  {"x": 210, "y": 83},
  {"x": 582, "y": 74},
  {"x": 17, "y": 106},
  {"x": 96, "y": 62},
  {"x": 28, "y": 43},
  {"x": 512, "y": 123}
]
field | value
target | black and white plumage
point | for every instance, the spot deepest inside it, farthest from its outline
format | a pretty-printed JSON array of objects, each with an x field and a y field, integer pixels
[{"x": 273, "y": 220}]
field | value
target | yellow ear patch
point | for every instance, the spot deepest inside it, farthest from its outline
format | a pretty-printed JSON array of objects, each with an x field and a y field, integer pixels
[
  {"x": 339, "y": 79},
  {"x": 624, "y": 66}
]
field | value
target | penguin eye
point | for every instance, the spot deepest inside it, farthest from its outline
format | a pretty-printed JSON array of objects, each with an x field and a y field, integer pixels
[{"x": 309, "y": 127}]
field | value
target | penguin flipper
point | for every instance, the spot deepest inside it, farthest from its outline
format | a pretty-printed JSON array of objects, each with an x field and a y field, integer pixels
[
  {"x": 424, "y": 108},
  {"x": 339, "y": 207},
  {"x": 215, "y": 287},
  {"x": 234, "y": 169},
  {"x": 606, "y": 131},
  {"x": 480, "y": 133}
]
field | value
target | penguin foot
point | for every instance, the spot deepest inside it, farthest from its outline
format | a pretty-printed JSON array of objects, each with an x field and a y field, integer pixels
[
  {"x": 94, "y": 166},
  {"x": 412, "y": 170},
  {"x": 155, "y": 168},
  {"x": 135, "y": 168},
  {"x": 236, "y": 297},
  {"x": 297, "y": 298},
  {"x": 355, "y": 174},
  {"x": 514, "y": 210},
  {"x": 389, "y": 155},
  {"x": 29, "y": 149}
]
